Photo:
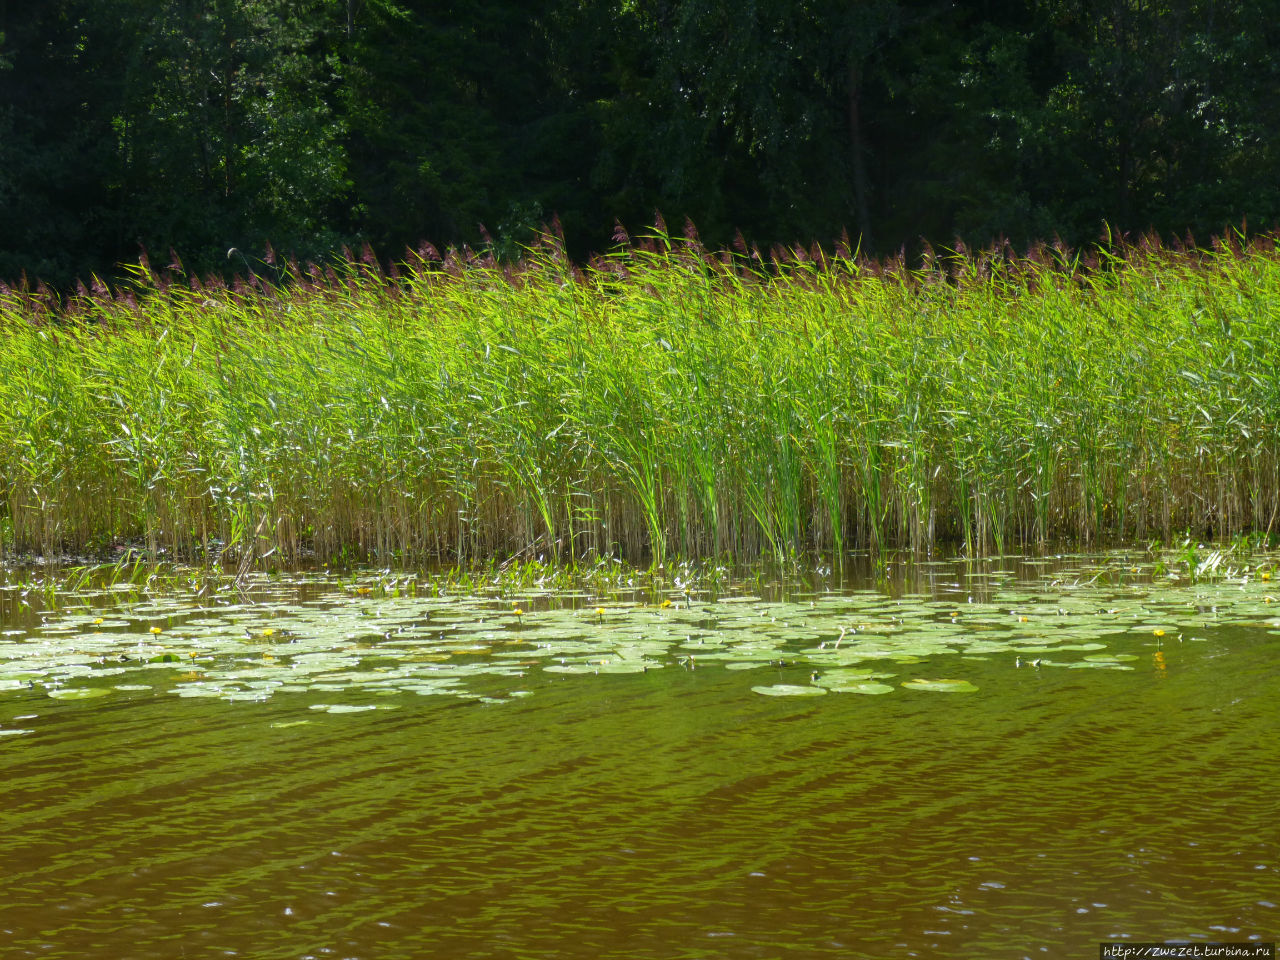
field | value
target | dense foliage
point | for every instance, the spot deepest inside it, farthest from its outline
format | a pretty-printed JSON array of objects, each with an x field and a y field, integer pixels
[
  {"x": 208, "y": 124},
  {"x": 664, "y": 402}
]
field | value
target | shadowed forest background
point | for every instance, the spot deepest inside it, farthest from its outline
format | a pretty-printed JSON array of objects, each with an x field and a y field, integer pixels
[{"x": 199, "y": 125}]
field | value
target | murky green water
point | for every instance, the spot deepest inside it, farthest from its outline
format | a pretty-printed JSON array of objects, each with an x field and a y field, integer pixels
[{"x": 328, "y": 769}]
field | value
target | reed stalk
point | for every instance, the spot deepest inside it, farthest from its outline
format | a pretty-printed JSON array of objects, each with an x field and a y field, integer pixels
[{"x": 663, "y": 402}]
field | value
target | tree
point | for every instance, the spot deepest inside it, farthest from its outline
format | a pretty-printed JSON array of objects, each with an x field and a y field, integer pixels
[
  {"x": 55, "y": 143},
  {"x": 227, "y": 135},
  {"x": 1058, "y": 117},
  {"x": 206, "y": 124},
  {"x": 454, "y": 114}
]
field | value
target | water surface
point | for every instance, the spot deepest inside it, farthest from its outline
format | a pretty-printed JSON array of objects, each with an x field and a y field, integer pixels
[{"x": 467, "y": 800}]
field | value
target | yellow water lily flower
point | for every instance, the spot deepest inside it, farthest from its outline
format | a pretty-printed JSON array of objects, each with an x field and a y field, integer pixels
[{"x": 156, "y": 631}]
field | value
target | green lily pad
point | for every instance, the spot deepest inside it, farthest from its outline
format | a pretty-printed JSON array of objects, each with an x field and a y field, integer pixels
[
  {"x": 572, "y": 668},
  {"x": 198, "y": 690},
  {"x": 428, "y": 691},
  {"x": 305, "y": 633},
  {"x": 941, "y": 686},
  {"x": 789, "y": 690},
  {"x": 869, "y": 688},
  {"x": 342, "y": 707},
  {"x": 835, "y": 678},
  {"x": 79, "y": 693}
]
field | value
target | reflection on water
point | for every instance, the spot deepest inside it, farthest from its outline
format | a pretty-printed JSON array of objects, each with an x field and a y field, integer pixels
[{"x": 667, "y": 814}]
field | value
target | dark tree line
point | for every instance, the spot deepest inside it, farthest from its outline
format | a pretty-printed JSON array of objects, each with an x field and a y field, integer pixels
[{"x": 206, "y": 124}]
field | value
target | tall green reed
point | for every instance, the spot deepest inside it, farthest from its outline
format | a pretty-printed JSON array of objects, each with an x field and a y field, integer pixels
[{"x": 662, "y": 402}]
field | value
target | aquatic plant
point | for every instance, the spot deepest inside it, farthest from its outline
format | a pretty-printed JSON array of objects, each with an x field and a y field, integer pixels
[
  {"x": 941, "y": 627},
  {"x": 662, "y": 402}
]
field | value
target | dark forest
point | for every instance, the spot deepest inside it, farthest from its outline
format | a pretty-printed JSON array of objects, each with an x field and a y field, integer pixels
[{"x": 202, "y": 125}]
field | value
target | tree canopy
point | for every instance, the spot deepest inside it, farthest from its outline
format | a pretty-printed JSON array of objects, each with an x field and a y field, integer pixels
[{"x": 201, "y": 125}]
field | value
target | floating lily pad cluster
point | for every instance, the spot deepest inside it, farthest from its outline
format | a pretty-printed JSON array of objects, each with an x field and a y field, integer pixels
[{"x": 361, "y": 643}]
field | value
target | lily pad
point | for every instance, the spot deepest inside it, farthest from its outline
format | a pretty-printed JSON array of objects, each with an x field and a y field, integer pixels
[
  {"x": 79, "y": 693},
  {"x": 198, "y": 690},
  {"x": 342, "y": 707},
  {"x": 789, "y": 690},
  {"x": 941, "y": 686},
  {"x": 869, "y": 687}
]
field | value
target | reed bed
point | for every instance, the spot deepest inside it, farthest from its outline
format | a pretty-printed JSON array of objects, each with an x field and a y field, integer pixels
[{"x": 660, "y": 402}]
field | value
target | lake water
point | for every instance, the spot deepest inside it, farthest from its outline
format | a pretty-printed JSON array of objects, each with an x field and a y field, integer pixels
[{"x": 371, "y": 768}]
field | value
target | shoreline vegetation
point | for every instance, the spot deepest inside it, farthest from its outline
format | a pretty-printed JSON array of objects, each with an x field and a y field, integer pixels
[{"x": 661, "y": 402}]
